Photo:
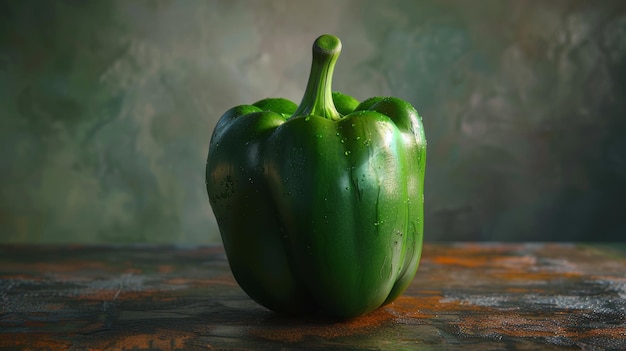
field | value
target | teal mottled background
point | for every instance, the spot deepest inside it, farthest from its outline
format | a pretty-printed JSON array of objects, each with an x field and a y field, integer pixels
[{"x": 107, "y": 109}]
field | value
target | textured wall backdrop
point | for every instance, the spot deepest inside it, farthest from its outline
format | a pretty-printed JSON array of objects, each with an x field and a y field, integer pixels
[{"x": 107, "y": 108}]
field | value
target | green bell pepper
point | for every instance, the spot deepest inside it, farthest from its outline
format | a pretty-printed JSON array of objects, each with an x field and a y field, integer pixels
[{"x": 320, "y": 206}]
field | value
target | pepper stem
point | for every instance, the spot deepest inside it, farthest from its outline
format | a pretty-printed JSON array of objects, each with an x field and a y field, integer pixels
[{"x": 318, "y": 99}]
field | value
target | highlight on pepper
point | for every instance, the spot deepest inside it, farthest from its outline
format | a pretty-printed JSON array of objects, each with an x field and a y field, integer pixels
[{"x": 320, "y": 205}]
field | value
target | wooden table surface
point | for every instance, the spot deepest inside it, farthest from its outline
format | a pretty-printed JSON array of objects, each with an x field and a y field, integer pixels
[{"x": 465, "y": 297}]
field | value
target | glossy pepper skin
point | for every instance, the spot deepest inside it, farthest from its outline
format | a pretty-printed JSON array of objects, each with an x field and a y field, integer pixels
[{"x": 320, "y": 206}]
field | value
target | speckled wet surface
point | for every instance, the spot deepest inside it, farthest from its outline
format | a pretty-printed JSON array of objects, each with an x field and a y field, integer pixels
[{"x": 464, "y": 297}]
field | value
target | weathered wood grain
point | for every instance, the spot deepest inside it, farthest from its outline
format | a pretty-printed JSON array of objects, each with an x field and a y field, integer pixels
[{"x": 464, "y": 297}]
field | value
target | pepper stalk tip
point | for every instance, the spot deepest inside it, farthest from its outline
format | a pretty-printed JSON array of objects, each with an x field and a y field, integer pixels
[{"x": 327, "y": 44}]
